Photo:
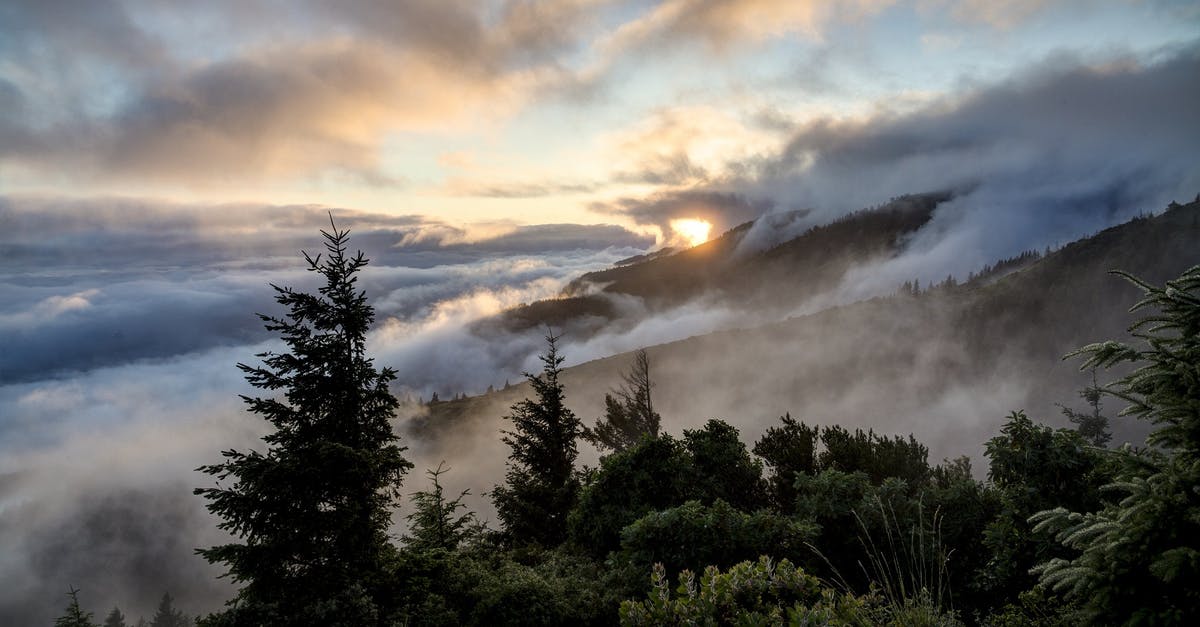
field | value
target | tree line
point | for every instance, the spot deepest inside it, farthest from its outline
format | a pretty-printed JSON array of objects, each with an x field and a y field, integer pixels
[{"x": 809, "y": 524}]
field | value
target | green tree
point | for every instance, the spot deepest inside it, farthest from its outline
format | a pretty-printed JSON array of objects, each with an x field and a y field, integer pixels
[
  {"x": 312, "y": 510},
  {"x": 435, "y": 522},
  {"x": 1137, "y": 560},
  {"x": 1034, "y": 467},
  {"x": 629, "y": 411},
  {"x": 880, "y": 457},
  {"x": 1093, "y": 426},
  {"x": 115, "y": 618},
  {"x": 788, "y": 449},
  {"x": 652, "y": 475},
  {"x": 74, "y": 616},
  {"x": 541, "y": 484},
  {"x": 168, "y": 616},
  {"x": 694, "y": 535},
  {"x": 722, "y": 468}
]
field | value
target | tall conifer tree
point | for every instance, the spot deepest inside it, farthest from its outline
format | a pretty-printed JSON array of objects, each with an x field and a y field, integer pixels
[
  {"x": 74, "y": 615},
  {"x": 629, "y": 412},
  {"x": 541, "y": 485},
  {"x": 313, "y": 508}
]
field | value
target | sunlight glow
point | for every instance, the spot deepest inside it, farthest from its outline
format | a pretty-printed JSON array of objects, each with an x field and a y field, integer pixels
[{"x": 693, "y": 231}]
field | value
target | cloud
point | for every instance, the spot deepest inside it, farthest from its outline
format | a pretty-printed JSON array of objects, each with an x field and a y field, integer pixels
[
  {"x": 686, "y": 146},
  {"x": 97, "y": 478},
  {"x": 280, "y": 102},
  {"x": 118, "y": 340},
  {"x": 466, "y": 187},
  {"x": 722, "y": 24},
  {"x": 1051, "y": 154},
  {"x": 722, "y": 209},
  {"x": 96, "y": 283}
]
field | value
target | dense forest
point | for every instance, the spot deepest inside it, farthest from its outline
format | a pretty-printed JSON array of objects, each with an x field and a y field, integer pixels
[{"x": 809, "y": 524}]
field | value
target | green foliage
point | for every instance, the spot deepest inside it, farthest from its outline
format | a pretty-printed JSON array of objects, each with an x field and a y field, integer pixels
[
  {"x": 1034, "y": 467},
  {"x": 749, "y": 593},
  {"x": 435, "y": 522},
  {"x": 912, "y": 542},
  {"x": 787, "y": 450},
  {"x": 629, "y": 412},
  {"x": 964, "y": 507},
  {"x": 906, "y": 558},
  {"x": 1093, "y": 426},
  {"x": 1137, "y": 560},
  {"x": 74, "y": 615},
  {"x": 541, "y": 485},
  {"x": 652, "y": 475},
  {"x": 1035, "y": 608},
  {"x": 878, "y": 456},
  {"x": 1164, "y": 388},
  {"x": 496, "y": 587},
  {"x": 694, "y": 535},
  {"x": 722, "y": 468},
  {"x": 312, "y": 511}
]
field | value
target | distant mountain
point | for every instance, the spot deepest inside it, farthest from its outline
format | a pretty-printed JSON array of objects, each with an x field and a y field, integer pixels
[
  {"x": 947, "y": 364},
  {"x": 722, "y": 268}
]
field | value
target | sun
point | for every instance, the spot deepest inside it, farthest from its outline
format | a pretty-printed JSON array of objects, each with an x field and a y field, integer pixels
[{"x": 693, "y": 231}]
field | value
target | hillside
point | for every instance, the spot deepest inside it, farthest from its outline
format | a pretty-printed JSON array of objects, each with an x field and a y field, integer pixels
[
  {"x": 783, "y": 275},
  {"x": 946, "y": 365}
]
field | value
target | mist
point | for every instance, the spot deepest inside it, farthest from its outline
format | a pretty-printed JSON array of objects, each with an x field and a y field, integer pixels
[{"x": 121, "y": 319}]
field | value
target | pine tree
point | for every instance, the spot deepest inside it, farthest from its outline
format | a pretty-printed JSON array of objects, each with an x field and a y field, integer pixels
[
  {"x": 168, "y": 616},
  {"x": 1092, "y": 426},
  {"x": 75, "y": 616},
  {"x": 436, "y": 523},
  {"x": 115, "y": 618},
  {"x": 312, "y": 511},
  {"x": 629, "y": 412},
  {"x": 541, "y": 485},
  {"x": 1138, "y": 558}
]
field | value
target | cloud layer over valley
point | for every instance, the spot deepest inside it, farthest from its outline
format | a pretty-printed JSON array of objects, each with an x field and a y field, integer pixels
[{"x": 483, "y": 156}]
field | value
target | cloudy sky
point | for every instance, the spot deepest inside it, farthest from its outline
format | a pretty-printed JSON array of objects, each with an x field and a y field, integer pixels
[
  {"x": 161, "y": 163},
  {"x": 500, "y": 112}
]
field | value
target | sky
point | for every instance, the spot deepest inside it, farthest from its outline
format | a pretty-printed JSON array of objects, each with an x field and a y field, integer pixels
[
  {"x": 162, "y": 163},
  {"x": 489, "y": 114}
]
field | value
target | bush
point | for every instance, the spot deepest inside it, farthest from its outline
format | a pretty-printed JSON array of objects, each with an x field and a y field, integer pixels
[{"x": 694, "y": 535}]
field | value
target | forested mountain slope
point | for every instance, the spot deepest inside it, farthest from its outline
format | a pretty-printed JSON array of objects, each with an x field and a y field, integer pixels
[
  {"x": 947, "y": 364},
  {"x": 729, "y": 268}
]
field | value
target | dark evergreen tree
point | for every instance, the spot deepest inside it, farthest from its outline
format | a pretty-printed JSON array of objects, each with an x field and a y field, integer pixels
[
  {"x": 787, "y": 450},
  {"x": 1033, "y": 467},
  {"x": 541, "y": 485},
  {"x": 312, "y": 510},
  {"x": 629, "y": 412},
  {"x": 722, "y": 468},
  {"x": 1092, "y": 426},
  {"x": 435, "y": 522},
  {"x": 74, "y": 616},
  {"x": 115, "y": 618},
  {"x": 168, "y": 616},
  {"x": 1137, "y": 560},
  {"x": 655, "y": 474}
]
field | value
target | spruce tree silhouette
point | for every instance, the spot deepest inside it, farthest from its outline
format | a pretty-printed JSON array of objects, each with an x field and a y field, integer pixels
[
  {"x": 541, "y": 485},
  {"x": 312, "y": 510}
]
